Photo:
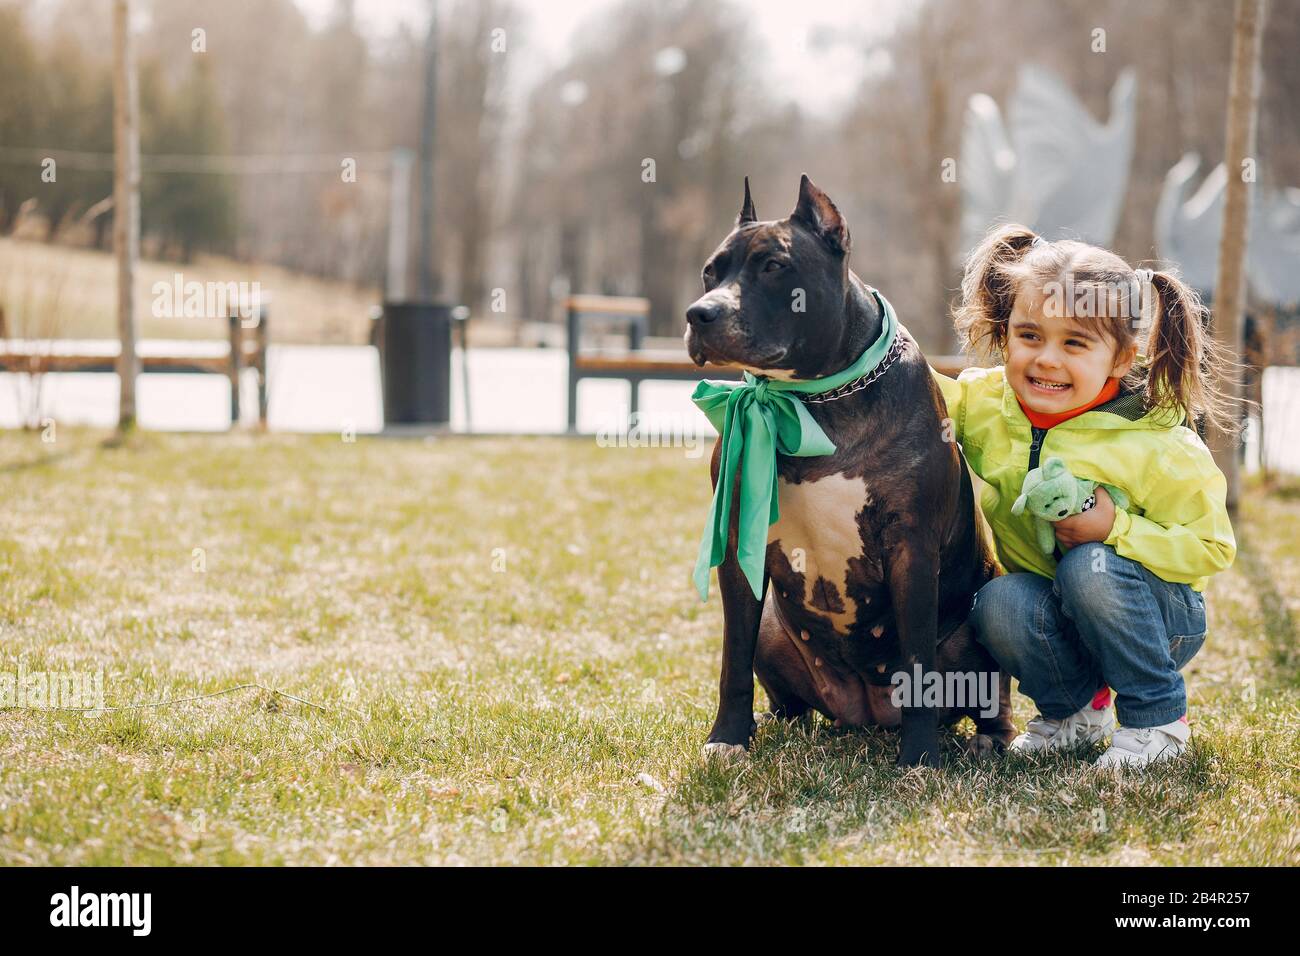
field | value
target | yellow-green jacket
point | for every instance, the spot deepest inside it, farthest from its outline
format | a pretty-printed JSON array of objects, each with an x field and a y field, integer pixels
[{"x": 1177, "y": 524}]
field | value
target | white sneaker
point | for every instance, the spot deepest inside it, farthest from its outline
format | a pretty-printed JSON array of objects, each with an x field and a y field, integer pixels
[
  {"x": 1046, "y": 733},
  {"x": 1139, "y": 746}
]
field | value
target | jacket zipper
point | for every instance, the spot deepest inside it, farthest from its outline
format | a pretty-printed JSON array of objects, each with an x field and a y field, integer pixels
[
  {"x": 1036, "y": 449},
  {"x": 1036, "y": 446}
]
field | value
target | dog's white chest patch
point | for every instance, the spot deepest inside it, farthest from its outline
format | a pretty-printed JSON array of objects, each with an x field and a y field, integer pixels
[{"x": 818, "y": 532}]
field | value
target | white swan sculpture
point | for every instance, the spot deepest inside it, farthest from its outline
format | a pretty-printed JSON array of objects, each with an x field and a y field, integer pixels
[
  {"x": 1053, "y": 167},
  {"x": 1188, "y": 231}
]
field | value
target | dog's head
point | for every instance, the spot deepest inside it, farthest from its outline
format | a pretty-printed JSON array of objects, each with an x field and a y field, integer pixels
[{"x": 775, "y": 291}]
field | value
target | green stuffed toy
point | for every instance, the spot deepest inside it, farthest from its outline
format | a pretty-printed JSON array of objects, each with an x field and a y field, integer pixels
[{"x": 1051, "y": 493}]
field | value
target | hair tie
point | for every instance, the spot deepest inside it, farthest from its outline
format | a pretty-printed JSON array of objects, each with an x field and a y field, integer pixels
[
  {"x": 1038, "y": 241},
  {"x": 1144, "y": 277}
]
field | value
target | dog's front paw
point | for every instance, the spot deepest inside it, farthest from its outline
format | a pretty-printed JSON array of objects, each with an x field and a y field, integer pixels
[
  {"x": 984, "y": 745},
  {"x": 725, "y": 752}
]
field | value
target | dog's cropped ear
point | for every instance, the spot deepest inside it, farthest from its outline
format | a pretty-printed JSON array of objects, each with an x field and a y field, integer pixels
[
  {"x": 816, "y": 211},
  {"x": 747, "y": 213}
]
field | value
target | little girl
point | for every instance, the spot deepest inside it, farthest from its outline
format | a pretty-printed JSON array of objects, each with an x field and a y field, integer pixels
[{"x": 1119, "y": 605}]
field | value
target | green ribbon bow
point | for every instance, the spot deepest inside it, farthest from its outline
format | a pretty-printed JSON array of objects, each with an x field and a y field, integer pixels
[{"x": 758, "y": 419}]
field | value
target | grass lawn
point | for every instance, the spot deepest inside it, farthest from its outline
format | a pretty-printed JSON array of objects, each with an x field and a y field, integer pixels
[{"x": 510, "y": 666}]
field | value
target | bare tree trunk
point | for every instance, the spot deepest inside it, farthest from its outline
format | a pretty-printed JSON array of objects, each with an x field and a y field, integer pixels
[
  {"x": 126, "y": 205},
  {"x": 1243, "y": 106},
  {"x": 399, "y": 212},
  {"x": 473, "y": 82},
  {"x": 944, "y": 211}
]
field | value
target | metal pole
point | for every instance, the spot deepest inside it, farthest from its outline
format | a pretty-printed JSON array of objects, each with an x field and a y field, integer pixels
[
  {"x": 236, "y": 360},
  {"x": 574, "y": 330},
  {"x": 263, "y": 342}
]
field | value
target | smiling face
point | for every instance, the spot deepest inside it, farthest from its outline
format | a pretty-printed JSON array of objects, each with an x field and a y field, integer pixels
[{"x": 1055, "y": 362}]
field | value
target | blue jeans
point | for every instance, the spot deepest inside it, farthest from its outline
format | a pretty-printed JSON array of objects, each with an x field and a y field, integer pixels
[{"x": 1103, "y": 620}]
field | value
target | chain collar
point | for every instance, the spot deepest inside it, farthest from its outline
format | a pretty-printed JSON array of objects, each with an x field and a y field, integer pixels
[{"x": 858, "y": 384}]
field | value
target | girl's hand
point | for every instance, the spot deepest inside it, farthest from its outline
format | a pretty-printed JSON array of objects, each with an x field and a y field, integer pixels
[{"x": 1091, "y": 525}]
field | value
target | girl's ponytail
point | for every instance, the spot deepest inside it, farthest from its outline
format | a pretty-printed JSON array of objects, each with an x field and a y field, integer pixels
[
  {"x": 988, "y": 289},
  {"x": 1184, "y": 358}
]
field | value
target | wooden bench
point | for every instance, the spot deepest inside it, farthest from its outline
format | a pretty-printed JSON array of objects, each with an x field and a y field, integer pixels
[
  {"x": 214, "y": 357},
  {"x": 636, "y": 364}
]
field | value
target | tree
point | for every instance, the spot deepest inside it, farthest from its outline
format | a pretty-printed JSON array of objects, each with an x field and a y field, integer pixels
[
  {"x": 1243, "y": 106},
  {"x": 190, "y": 210},
  {"x": 126, "y": 206},
  {"x": 20, "y": 107}
]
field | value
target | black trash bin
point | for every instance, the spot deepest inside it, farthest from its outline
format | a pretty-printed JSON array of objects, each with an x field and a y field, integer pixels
[{"x": 415, "y": 362}]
